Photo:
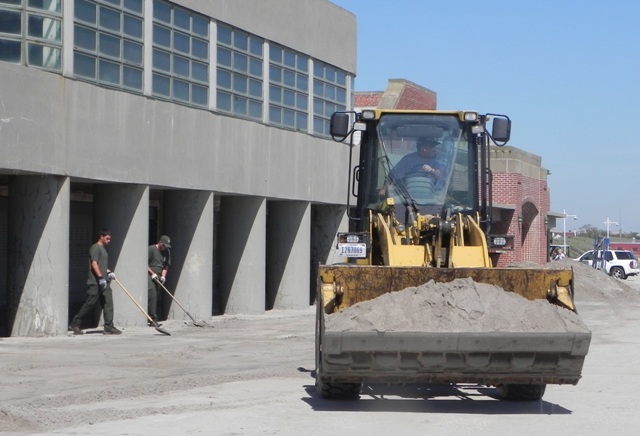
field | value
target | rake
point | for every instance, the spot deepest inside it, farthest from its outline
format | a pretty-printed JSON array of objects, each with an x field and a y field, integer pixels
[{"x": 155, "y": 324}]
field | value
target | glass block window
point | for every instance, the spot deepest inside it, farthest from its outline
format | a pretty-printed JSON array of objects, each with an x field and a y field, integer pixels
[
  {"x": 329, "y": 95},
  {"x": 239, "y": 73},
  {"x": 31, "y": 33},
  {"x": 288, "y": 88},
  {"x": 180, "y": 54},
  {"x": 108, "y": 42}
]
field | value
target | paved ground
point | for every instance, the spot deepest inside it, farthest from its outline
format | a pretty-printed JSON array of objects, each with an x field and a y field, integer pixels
[{"x": 251, "y": 375}]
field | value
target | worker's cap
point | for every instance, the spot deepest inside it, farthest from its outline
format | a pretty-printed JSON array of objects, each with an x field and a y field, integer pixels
[
  {"x": 429, "y": 142},
  {"x": 166, "y": 241}
]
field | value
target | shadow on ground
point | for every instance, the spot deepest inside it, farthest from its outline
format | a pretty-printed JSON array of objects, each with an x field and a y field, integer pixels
[{"x": 431, "y": 398}]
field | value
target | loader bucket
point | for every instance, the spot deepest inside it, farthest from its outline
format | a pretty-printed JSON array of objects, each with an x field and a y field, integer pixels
[
  {"x": 360, "y": 283},
  {"x": 500, "y": 358}
]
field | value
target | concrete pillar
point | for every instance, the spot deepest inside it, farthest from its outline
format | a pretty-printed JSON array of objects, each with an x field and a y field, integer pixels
[
  {"x": 124, "y": 209},
  {"x": 38, "y": 266},
  {"x": 188, "y": 220},
  {"x": 4, "y": 244},
  {"x": 288, "y": 241},
  {"x": 327, "y": 221},
  {"x": 241, "y": 251}
]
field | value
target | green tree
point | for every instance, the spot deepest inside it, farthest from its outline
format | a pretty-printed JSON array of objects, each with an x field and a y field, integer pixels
[{"x": 589, "y": 230}]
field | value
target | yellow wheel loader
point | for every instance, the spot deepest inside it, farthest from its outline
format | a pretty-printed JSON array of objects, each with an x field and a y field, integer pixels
[{"x": 423, "y": 213}]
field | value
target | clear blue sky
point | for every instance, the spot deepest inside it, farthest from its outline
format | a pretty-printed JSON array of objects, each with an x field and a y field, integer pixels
[{"x": 566, "y": 72}]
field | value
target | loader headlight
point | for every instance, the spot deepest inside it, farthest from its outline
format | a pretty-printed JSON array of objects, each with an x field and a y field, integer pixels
[
  {"x": 476, "y": 130},
  {"x": 368, "y": 115},
  {"x": 471, "y": 116},
  {"x": 359, "y": 127},
  {"x": 353, "y": 238},
  {"x": 499, "y": 242}
]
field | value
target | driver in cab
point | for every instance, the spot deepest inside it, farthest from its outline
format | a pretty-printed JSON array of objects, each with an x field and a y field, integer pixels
[{"x": 421, "y": 161}]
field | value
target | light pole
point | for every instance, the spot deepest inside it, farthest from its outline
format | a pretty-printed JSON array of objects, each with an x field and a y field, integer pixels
[
  {"x": 608, "y": 224},
  {"x": 565, "y": 215}
]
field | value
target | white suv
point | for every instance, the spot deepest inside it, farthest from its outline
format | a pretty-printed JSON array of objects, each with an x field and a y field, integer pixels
[{"x": 617, "y": 263}]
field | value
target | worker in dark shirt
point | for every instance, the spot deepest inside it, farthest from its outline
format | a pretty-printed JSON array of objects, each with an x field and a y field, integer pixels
[{"x": 158, "y": 266}]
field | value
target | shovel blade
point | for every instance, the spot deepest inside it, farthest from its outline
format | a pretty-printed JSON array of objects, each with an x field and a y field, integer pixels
[{"x": 161, "y": 330}]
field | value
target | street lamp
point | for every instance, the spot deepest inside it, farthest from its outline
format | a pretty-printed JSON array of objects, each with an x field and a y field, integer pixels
[
  {"x": 608, "y": 224},
  {"x": 565, "y": 215}
]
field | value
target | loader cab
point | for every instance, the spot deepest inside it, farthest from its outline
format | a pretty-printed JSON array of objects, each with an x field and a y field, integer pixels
[
  {"x": 421, "y": 160},
  {"x": 394, "y": 171}
]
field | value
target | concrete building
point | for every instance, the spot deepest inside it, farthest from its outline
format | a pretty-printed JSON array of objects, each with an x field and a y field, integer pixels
[
  {"x": 206, "y": 120},
  {"x": 521, "y": 198}
]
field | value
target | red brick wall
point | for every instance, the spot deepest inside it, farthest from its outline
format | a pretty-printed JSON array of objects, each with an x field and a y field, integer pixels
[
  {"x": 400, "y": 94},
  {"x": 366, "y": 99},
  {"x": 531, "y": 200},
  {"x": 413, "y": 97}
]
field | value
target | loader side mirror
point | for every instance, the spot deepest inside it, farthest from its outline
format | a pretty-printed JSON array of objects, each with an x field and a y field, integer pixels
[
  {"x": 501, "y": 130},
  {"x": 340, "y": 126}
]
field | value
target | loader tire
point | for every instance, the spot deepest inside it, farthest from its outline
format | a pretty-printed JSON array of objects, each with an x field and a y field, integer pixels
[
  {"x": 518, "y": 392},
  {"x": 338, "y": 391}
]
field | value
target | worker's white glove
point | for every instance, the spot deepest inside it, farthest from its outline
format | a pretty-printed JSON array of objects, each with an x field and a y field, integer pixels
[
  {"x": 162, "y": 279},
  {"x": 154, "y": 276},
  {"x": 111, "y": 276},
  {"x": 102, "y": 283}
]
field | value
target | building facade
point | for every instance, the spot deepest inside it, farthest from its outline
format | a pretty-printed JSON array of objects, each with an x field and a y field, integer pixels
[{"x": 206, "y": 120}]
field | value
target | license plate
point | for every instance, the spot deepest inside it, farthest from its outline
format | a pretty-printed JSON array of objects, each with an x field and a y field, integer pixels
[{"x": 352, "y": 250}]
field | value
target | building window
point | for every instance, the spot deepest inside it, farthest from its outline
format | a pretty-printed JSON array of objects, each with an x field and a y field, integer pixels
[
  {"x": 288, "y": 88},
  {"x": 329, "y": 95},
  {"x": 239, "y": 73},
  {"x": 31, "y": 33},
  {"x": 108, "y": 42},
  {"x": 180, "y": 54}
]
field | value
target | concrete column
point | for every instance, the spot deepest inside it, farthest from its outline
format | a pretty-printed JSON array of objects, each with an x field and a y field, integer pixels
[
  {"x": 326, "y": 222},
  {"x": 188, "y": 220},
  {"x": 4, "y": 244},
  {"x": 38, "y": 266},
  {"x": 241, "y": 252},
  {"x": 124, "y": 209},
  {"x": 288, "y": 248}
]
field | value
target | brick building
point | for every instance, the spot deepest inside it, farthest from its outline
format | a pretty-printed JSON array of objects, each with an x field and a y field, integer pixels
[
  {"x": 400, "y": 94},
  {"x": 521, "y": 198},
  {"x": 520, "y": 204}
]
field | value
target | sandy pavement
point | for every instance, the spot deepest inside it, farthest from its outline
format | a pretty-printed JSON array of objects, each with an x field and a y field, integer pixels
[{"x": 252, "y": 375}]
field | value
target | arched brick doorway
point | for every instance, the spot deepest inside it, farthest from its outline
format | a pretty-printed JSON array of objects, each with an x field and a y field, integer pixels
[{"x": 529, "y": 240}]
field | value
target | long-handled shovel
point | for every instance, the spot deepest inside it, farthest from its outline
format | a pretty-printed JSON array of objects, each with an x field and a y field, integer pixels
[
  {"x": 196, "y": 323},
  {"x": 155, "y": 324}
]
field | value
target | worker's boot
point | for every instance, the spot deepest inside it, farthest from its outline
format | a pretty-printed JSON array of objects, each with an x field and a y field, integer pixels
[
  {"x": 75, "y": 329},
  {"x": 110, "y": 330}
]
